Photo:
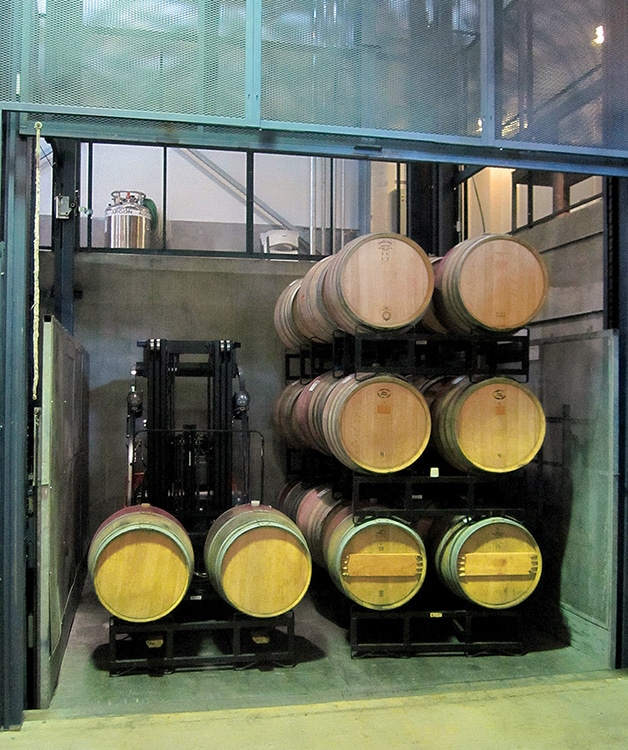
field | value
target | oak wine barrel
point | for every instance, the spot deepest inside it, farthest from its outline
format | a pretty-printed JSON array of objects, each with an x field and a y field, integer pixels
[
  {"x": 494, "y": 562},
  {"x": 379, "y": 564},
  {"x": 494, "y": 425},
  {"x": 493, "y": 283},
  {"x": 310, "y": 313},
  {"x": 378, "y": 281},
  {"x": 312, "y": 512},
  {"x": 313, "y": 396},
  {"x": 378, "y": 423},
  {"x": 284, "y": 416},
  {"x": 284, "y": 319},
  {"x": 430, "y": 321},
  {"x": 141, "y": 561},
  {"x": 257, "y": 560}
]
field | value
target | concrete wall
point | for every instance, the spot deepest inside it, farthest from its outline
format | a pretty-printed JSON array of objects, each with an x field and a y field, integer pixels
[
  {"x": 128, "y": 298},
  {"x": 574, "y": 373}
]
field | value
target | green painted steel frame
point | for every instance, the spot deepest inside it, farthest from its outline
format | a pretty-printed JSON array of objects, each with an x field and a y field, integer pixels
[
  {"x": 14, "y": 373},
  {"x": 143, "y": 130},
  {"x": 253, "y": 132}
]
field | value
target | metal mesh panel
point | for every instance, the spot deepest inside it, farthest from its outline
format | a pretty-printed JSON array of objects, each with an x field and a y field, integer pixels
[
  {"x": 401, "y": 65},
  {"x": 183, "y": 56},
  {"x": 551, "y": 72},
  {"x": 374, "y": 67},
  {"x": 8, "y": 47}
]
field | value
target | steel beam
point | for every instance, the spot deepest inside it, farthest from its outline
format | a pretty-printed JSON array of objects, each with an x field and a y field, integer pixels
[{"x": 432, "y": 206}]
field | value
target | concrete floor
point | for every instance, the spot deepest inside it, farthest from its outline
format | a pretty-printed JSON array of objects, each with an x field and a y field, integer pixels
[
  {"x": 558, "y": 713},
  {"x": 551, "y": 696}
]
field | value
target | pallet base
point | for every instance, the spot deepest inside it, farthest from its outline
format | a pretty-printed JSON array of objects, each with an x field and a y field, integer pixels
[
  {"x": 455, "y": 631},
  {"x": 187, "y": 639}
]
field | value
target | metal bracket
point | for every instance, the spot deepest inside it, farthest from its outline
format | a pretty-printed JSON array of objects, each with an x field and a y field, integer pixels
[{"x": 63, "y": 207}]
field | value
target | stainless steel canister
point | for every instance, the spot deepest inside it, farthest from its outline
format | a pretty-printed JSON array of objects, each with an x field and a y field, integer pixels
[{"x": 127, "y": 220}]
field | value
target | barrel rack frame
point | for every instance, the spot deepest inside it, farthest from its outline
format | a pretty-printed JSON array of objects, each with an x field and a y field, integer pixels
[
  {"x": 240, "y": 641},
  {"x": 432, "y": 629}
]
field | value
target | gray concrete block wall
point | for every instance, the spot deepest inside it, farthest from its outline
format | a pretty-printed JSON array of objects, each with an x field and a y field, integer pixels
[{"x": 572, "y": 247}]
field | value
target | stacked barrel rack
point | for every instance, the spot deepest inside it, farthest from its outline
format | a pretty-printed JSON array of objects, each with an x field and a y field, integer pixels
[{"x": 406, "y": 422}]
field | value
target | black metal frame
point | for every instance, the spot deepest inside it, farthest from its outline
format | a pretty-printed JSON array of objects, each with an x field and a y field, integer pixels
[
  {"x": 154, "y": 645},
  {"x": 169, "y": 483},
  {"x": 413, "y": 351},
  {"x": 15, "y": 371},
  {"x": 435, "y": 631},
  {"x": 418, "y": 492},
  {"x": 432, "y": 354}
]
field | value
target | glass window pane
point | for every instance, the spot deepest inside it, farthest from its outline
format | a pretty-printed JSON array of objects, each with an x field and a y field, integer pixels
[
  {"x": 291, "y": 204},
  {"x": 126, "y": 169},
  {"x": 206, "y": 200}
]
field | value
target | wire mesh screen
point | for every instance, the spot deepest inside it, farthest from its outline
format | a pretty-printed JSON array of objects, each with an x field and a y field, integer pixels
[
  {"x": 551, "y": 71},
  {"x": 381, "y": 67},
  {"x": 401, "y": 65},
  {"x": 175, "y": 56}
]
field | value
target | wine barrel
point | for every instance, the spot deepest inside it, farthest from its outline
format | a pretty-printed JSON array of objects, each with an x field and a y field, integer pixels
[
  {"x": 310, "y": 314},
  {"x": 303, "y": 418},
  {"x": 257, "y": 560},
  {"x": 379, "y": 564},
  {"x": 320, "y": 389},
  {"x": 430, "y": 321},
  {"x": 494, "y": 425},
  {"x": 283, "y": 498},
  {"x": 312, "y": 511},
  {"x": 283, "y": 318},
  {"x": 141, "y": 561},
  {"x": 284, "y": 418},
  {"x": 379, "y": 423},
  {"x": 493, "y": 283},
  {"x": 494, "y": 562},
  {"x": 378, "y": 282},
  {"x": 290, "y": 498}
]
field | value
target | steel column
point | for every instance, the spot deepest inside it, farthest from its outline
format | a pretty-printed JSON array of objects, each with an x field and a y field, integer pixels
[
  {"x": 617, "y": 229},
  {"x": 65, "y": 226},
  {"x": 14, "y": 374},
  {"x": 432, "y": 206}
]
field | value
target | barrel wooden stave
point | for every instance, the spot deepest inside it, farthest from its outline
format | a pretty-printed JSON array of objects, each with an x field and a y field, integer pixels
[
  {"x": 310, "y": 313},
  {"x": 284, "y": 418},
  {"x": 141, "y": 561},
  {"x": 430, "y": 320},
  {"x": 284, "y": 318},
  {"x": 311, "y": 512},
  {"x": 258, "y": 560},
  {"x": 302, "y": 412}
]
